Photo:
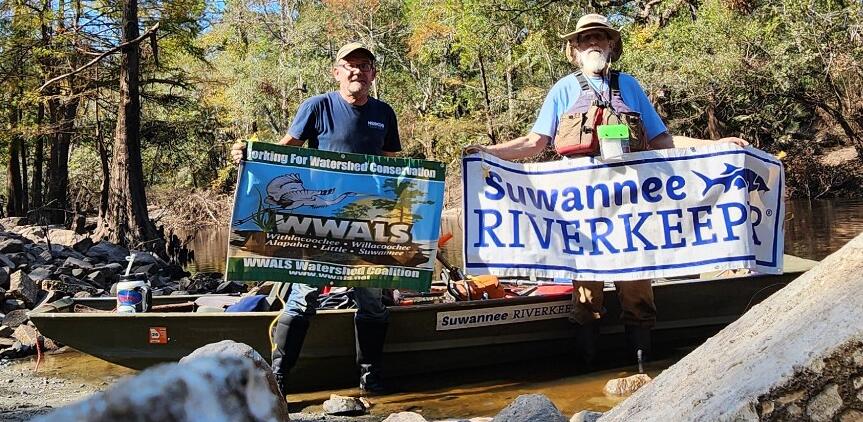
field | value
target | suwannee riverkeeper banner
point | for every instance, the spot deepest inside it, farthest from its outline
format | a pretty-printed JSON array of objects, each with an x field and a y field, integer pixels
[{"x": 652, "y": 214}]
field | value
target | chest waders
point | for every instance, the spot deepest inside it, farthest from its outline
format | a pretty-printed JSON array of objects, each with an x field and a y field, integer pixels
[{"x": 577, "y": 133}]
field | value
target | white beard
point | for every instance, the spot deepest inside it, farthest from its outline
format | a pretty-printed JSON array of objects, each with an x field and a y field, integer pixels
[{"x": 593, "y": 62}]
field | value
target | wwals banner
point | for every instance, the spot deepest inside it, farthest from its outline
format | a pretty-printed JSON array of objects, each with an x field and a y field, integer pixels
[
  {"x": 654, "y": 214},
  {"x": 316, "y": 217}
]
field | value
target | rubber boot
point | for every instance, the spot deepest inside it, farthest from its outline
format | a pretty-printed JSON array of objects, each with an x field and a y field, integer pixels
[
  {"x": 288, "y": 336},
  {"x": 638, "y": 338},
  {"x": 586, "y": 337},
  {"x": 370, "y": 337}
]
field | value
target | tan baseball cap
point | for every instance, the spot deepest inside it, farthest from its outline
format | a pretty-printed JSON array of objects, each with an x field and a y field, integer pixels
[
  {"x": 596, "y": 21},
  {"x": 351, "y": 47}
]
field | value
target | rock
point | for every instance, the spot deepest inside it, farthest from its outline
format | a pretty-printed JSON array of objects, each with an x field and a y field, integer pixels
[
  {"x": 4, "y": 277},
  {"x": 229, "y": 348},
  {"x": 214, "y": 388},
  {"x": 111, "y": 268},
  {"x": 108, "y": 252},
  {"x": 40, "y": 273},
  {"x": 6, "y": 331},
  {"x": 83, "y": 245},
  {"x": 825, "y": 405},
  {"x": 62, "y": 251},
  {"x": 14, "y": 221},
  {"x": 231, "y": 287},
  {"x": 77, "y": 263},
  {"x": 64, "y": 237},
  {"x": 345, "y": 406},
  {"x": 851, "y": 416},
  {"x": 22, "y": 287},
  {"x": 405, "y": 417},
  {"x": 97, "y": 278},
  {"x": 27, "y": 335},
  {"x": 69, "y": 285},
  {"x": 797, "y": 346},
  {"x": 82, "y": 294},
  {"x": 16, "y": 351},
  {"x": 157, "y": 282},
  {"x": 528, "y": 408},
  {"x": 11, "y": 246},
  {"x": 50, "y": 296},
  {"x": 10, "y": 305},
  {"x": 625, "y": 386},
  {"x": 585, "y": 416},
  {"x": 15, "y": 318}
]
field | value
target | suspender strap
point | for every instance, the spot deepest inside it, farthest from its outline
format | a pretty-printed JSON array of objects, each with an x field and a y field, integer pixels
[
  {"x": 585, "y": 86},
  {"x": 614, "y": 82}
]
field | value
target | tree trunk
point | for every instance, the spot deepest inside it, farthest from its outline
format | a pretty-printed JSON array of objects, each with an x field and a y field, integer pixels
[
  {"x": 14, "y": 191},
  {"x": 38, "y": 162},
  {"x": 58, "y": 165},
  {"x": 126, "y": 221},
  {"x": 104, "y": 164},
  {"x": 488, "y": 122}
]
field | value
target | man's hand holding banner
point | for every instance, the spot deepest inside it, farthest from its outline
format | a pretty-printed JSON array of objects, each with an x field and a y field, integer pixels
[
  {"x": 653, "y": 214},
  {"x": 316, "y": 217}
]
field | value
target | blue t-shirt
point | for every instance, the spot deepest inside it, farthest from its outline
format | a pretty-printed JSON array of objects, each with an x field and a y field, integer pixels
[
  {"x": 566, "y": 91},
  {"x": 328, "y": 122}
]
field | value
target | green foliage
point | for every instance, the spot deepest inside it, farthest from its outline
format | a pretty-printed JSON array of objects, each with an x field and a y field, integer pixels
[{"x": 781, "y": 74}]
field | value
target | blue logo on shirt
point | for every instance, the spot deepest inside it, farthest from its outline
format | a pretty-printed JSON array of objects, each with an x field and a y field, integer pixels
[{"x": 376, "y": 125}]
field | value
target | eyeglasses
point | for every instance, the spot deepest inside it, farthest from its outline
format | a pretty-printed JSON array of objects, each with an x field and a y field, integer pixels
[{"x": 362, "y": 67}]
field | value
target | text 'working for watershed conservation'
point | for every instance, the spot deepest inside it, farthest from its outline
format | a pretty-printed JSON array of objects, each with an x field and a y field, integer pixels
[{"x": 326, "y": 218}]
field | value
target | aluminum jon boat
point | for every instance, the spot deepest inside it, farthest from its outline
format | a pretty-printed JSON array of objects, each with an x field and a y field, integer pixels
[{"x": 421, "y": 338}]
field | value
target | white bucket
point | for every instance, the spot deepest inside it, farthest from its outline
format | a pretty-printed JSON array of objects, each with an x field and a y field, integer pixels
[{"x": 133, "y": 296}]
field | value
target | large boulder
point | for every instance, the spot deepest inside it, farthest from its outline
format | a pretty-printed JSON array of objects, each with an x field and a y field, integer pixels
[
  {"x": 210, "y": 388},
  {"x": 529, "y": 408},
  {"x": 108, "y": 252},
  {"x": 796, "y": 356},
  {"x": 24, "y": 288},
  {"x": 244, "y": 351},
  {"x": 625, "y": 386}
]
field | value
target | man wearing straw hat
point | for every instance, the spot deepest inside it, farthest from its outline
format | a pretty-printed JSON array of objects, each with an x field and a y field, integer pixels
[{"x": 571, "y": 110}]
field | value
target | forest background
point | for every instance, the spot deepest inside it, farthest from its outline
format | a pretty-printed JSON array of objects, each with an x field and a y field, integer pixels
[{"x": 785, "y": 75}]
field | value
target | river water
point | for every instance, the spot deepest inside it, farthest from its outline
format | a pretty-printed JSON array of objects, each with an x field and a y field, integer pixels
[{"x": 813, "y": 230}]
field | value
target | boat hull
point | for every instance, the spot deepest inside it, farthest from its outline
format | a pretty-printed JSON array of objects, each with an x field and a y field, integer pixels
[{"x": 416, "y": 343}]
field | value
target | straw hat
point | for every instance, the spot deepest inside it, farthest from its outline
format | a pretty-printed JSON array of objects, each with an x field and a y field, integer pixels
[{"x": 595, "y": 21}]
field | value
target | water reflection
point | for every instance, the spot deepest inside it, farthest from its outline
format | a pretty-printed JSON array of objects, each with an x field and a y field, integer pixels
[
  {"x": 815, "y": 229},
  {"x": 211, "y": 249}
]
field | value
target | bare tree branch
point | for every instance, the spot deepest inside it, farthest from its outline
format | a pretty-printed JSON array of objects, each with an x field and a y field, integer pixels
[{"x": 146, "y": 34}]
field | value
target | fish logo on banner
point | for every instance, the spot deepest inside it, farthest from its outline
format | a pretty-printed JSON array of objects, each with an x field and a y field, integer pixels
[
  {"x": 735, "y": 176},
  {"x": 289, "y": 193}
]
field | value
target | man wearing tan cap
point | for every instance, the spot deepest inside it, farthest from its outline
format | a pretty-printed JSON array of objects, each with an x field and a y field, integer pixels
[
  {"x": 564, "y": 121},
  {"x": 347, "y": 120}
]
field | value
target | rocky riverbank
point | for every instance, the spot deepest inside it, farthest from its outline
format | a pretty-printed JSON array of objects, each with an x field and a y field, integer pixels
[
  {"x": 232, "y": 374},
  {"x": 39, "y": 265}
]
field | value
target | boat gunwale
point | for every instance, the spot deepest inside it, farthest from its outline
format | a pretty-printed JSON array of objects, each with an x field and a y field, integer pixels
[{"x": 50, "y": 311}]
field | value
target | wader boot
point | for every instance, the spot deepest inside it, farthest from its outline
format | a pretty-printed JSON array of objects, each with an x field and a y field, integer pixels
[
  {"x": 586, "y": 338},
  {"x": 370, "y": 337},
  {"x": 288, "y": 336},
  {"x": 638, "y": 338}
]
